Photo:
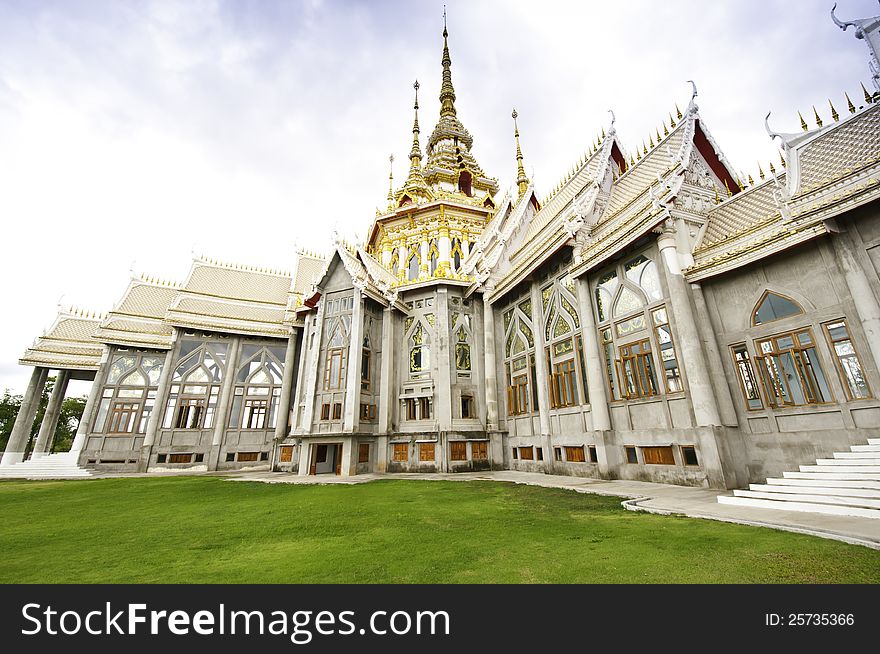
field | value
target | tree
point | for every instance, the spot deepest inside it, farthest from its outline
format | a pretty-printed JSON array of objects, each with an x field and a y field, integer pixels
[{"x": 71, "y": 413}]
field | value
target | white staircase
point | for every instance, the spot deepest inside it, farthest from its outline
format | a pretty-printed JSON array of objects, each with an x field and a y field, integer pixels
[
  {"x": 848, "y": 484},
  {"x": 50, "y": 466}
]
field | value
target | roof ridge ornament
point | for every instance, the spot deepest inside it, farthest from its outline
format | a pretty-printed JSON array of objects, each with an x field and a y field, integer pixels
[
  {"x": 867, "y": 30},
  {"x": 692, "y": 107}
]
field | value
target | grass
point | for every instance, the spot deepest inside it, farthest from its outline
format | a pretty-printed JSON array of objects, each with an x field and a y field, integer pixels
[{"x": 205, "y": 529}]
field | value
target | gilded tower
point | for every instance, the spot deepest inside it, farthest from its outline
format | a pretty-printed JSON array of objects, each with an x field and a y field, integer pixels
[{"x": 444, "y": 204}]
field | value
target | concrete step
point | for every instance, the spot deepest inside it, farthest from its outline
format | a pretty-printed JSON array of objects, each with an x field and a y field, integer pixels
[
  {"x": 865, "y": 448},
  {"x": 806, "y": 507},
  {"x": 863, "y": 502},
  {"x": 855, "y": 460},
  {"x": 874, "y": 441},
  {"x": 62, "y": 465},
  {"x": 838, "y": 475},
  {"x": 857, "y": 456},
  {"x": 872, "y": 471},
  {"x": 823, "y": 482},
  {"x": 785, "y": 489}
]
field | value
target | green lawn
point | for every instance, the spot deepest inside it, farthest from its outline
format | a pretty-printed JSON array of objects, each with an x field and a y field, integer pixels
[{"x": 205, "y": 529}]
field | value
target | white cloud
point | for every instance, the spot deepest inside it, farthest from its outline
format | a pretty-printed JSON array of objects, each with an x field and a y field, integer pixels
[{"x": 135, "y": 132}]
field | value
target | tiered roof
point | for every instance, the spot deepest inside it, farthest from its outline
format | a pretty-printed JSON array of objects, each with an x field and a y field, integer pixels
[
  {"x": 138, "y": 319},
  {"x": 68, "y": 343},
  {"x": 830, "y": 170}
]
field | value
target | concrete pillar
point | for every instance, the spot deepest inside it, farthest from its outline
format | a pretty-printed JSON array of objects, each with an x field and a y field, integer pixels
[
  {"x": 50, "y": 418},
  {"x": 387, "y": 388},
  {"x": 444, "y": 247},
  {"x": 597, "y": 384},
  {"x": 443, "y": 347},
  {"x": 222, "y": 409},
  {"x": 159, "y": 408},
  {"x": 490, "y": 369},
  {"x": 282, "y": 420},
  {"x": 541, "y": 371},
  {"x": 688, "y": 343},
  {"x": 716, "y": 366},
  {"x": 88, "y": 416},
  {"x": 312, "y": 355},
  {"x": 861, "y": 293},
  {"x": 351, "y": 411},
  {"x": 305, "y": 456},
  {"x": 348, "y": 465},
  {"x": 21, "y": 430}
]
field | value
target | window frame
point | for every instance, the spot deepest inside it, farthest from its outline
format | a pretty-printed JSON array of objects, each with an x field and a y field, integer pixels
[{"x": 844, "y": 378}]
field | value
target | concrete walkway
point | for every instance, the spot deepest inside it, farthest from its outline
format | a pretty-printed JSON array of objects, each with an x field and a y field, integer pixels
[{"x": 664, "y": 499}]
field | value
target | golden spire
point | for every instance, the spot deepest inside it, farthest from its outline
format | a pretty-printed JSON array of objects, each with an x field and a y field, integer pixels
[
  {"x": 522, "y": 182},
  {"x": 415, "y": 182},
  {"x": 390, "y": 182},
  {"x": 782, "y": 159},
  {"x": 415, "y": 155},
  {"x": 760, "y": 171},
  {"x": 447, "y": 92},
  {"x": 671, "y": 120},
  {"x": 803, "y": 122},
  {"x": 868, "y": 97},
  {"x": 677, "y": 111},
  {"x": 834, "y": 115},
  {"x": 816, "y": 116},
  {"x": 751, "y": 181},
  {"x": 849, "y": 104},
  {"x": 772, "y": 169}
]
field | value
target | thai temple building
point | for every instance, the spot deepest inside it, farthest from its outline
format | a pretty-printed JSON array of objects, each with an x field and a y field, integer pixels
[{"x": 656, "y": 317}]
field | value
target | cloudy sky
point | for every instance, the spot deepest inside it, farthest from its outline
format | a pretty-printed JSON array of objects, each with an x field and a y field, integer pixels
[{"x": 135, "y": 133}]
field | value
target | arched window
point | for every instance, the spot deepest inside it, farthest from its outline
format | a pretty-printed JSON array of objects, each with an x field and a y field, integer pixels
[
  {"x": 773, "y": 306},
  {"x": 433, "y": 256},
  {"x": 420, "y": 349},
  {"x": 129, "y": 393},
  {"x": 462, "y": 342},
  {"x": 464, "y": 183},
  {"x": 337, "y": 355},
  {"x": 457, "y": 254},
  {"x": 413, "y": 265},
  {"x": 258, "y": 387},
  {"x": 564, "y": 347},
  {"x": 640, "y": 355},
  {"x": 195, "y": 384},
  {"x": 519, "y": 354},
  {"x": 395, "y": 262}
]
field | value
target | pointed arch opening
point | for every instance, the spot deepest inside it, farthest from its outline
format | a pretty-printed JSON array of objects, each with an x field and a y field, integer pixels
[{"x": 773, "y": 306}]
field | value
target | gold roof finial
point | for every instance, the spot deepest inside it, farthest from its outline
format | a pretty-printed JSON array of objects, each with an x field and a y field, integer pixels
[
  {"x": 658, "y": 134},
  {"x": 816, "y": 116},
  {"x": 447, "y": 92},
  {"x": 834, "y": 115},
  {"x": 868, "y": 97},
  {"x": 727, "y": 187},
  {"x": 665, "y": 130},
  {"x": 849, "y": 104},
  {"x": 760, "y": 171},
  {"x": 671, "y": 121},
  {"x": 803, "y": 122},
  {"x": 772, "y": 169},
  {"x": 782, "y": 159},
  {"x": 390, "y": 182},
  {"x": 522, "y": 182},
  {"x": 751, "y": 181},
  {"x": 415, "y": 154},
  {"x": 677, "y": 111}
]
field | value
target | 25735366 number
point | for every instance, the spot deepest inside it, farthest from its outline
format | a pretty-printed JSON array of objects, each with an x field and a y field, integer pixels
[{"x": 809, "y": 619}]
